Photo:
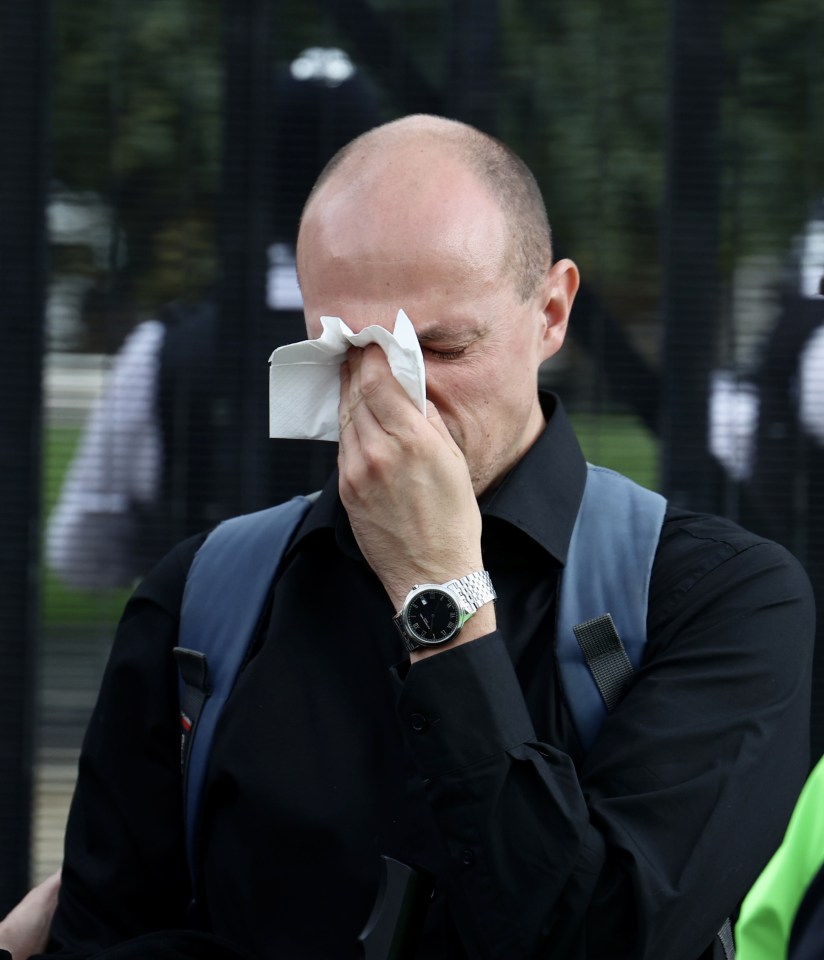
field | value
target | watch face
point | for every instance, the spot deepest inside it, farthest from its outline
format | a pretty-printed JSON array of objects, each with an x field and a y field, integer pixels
[{"x": 433, "y": 616}]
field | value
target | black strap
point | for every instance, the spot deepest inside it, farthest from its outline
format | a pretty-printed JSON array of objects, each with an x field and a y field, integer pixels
[{"x": 605, "y": 656}]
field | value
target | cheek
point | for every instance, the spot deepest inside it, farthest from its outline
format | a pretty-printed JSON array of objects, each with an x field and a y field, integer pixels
[
  {"x": 452, "y": 388},
  {"x": 313, "y": 329},
  {"x": 457, "y": 404}
]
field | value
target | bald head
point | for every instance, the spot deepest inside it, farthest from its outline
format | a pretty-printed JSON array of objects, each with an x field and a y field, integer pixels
[{"x": 422, "y": 157}]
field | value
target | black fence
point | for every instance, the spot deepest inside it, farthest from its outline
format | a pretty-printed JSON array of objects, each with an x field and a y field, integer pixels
[{"x": 153, "y": 162}]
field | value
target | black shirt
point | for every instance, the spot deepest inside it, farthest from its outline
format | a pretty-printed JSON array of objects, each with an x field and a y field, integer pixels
[{"x": 332, "y": 751}]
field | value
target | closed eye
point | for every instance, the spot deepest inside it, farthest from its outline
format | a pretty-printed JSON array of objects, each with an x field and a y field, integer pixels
[{"x": 445, "y": 354}]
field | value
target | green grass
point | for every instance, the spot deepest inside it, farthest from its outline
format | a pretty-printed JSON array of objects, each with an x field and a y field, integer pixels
[{"x": 621, "y": 442}]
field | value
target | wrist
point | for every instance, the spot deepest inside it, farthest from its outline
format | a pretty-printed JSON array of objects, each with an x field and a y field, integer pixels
[
  {"x": 402, "y": 584},
  {"x": 434, "y": 615},
  {"x": 479, "y": 625}
]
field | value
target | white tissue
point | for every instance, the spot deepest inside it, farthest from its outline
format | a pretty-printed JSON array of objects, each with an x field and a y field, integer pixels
[{"x": 304, "y": 378}]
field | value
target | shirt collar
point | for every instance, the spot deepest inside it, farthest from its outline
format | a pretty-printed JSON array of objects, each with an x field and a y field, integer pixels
[{"x": 540, "y": 496}]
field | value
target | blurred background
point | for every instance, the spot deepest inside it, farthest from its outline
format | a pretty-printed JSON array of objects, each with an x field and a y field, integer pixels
[{"x": 153, "y": 162}]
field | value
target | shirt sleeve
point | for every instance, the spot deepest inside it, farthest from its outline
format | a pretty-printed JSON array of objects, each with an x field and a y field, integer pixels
[
  {"x": 646, "y": 848},
  {"x": 89, "y": 538},
  {"x": 125, "y": 867}
]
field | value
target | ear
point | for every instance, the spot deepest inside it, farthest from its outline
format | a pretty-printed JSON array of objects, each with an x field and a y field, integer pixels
[{"x": 558, "y": 293}]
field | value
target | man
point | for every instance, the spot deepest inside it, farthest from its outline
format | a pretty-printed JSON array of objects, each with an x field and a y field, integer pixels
[{"x": 462, "y": 758}]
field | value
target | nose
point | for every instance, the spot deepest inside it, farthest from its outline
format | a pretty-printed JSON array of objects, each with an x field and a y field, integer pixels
[{"x": 434, "y": 380}]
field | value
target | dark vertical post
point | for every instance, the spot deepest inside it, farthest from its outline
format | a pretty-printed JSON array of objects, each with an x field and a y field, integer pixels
[
  {"x": 24, "y": 80},
  {"x": 474, "y": 57},
  {"x": 691, "y": 246},
  {"x": 243, "y": 232},
  {"x": 375, "y": 44}
]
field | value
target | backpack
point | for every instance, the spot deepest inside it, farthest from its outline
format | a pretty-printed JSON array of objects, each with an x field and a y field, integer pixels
[{"x": 601, "y": 615}]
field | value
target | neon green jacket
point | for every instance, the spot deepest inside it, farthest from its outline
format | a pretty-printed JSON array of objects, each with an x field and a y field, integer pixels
[{"x": 769, "y": 909}]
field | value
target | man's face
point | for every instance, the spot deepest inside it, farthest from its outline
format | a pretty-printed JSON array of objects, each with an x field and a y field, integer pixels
[{"x": 436, "y": 249}]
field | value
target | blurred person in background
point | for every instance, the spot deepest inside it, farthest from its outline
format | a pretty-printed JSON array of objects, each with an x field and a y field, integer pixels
[
  {"x": 139, "y": 481},
  {"x": 767, "y": 429}
]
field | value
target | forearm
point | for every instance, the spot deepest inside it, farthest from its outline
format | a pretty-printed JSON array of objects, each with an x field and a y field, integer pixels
[{"x": 511, "y": 809}]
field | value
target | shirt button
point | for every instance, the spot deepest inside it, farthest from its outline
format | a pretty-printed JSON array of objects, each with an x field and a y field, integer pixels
[
  {"x": 467, "y": 857},
  {"x": 418, "y": 722}
]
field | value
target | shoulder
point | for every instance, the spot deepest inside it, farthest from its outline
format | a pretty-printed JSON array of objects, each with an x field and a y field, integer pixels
[
  {"x": 238, "y": 546},
  {"x": 706, "y": 559},
  {"x": 142, "y": 344},
  {"x": 687, "y": 527},
  {"x": 162, "y": 587},
  {"x": 140, "y": 659},
  {"x": 134, "y": 368},
  {"x": 190, "y": 335},
  {"x": 704, "y": 541}
]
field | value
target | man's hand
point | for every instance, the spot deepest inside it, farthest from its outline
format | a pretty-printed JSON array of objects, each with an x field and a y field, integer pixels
[
  {"x": 404, "y": 482},
  {"x": 25, "y": 930}
]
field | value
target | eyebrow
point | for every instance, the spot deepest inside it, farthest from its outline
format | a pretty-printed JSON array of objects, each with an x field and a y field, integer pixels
[{"x": 439, "y": 332}]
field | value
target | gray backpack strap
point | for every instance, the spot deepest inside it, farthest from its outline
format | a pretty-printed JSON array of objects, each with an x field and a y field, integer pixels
[
  {"x": 602, "y": 604},
  {"x": 224, "y": 596}
]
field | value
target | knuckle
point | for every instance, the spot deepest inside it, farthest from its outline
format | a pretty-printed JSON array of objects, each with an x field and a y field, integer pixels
[
  {"x": 371, "y": 383},
  {"x": 375, "y": 461}
]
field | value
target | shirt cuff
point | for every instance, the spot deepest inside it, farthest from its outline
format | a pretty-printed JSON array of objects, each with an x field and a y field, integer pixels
[{"x": 463, "y": 706}]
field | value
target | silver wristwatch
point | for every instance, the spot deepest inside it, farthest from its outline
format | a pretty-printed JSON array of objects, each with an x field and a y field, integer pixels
[{"x": 434, "y": 613}]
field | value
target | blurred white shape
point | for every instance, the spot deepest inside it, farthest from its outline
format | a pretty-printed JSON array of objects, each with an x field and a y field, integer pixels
[{"x": 330, "y": 65}]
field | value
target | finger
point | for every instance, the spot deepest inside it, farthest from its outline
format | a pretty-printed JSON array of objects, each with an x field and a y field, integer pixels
[
  {"x": 348, "y": 444},
  {"x": 366, "y": 444},
  {"x": 434, "y": 418},
  {"x": 354, "y": 416},
  {"x": 351, "y": 394},
  {"x": 377, "y": 399},
  {"x": 344, "y": 405},
  {"x": 361, "y": 437}
]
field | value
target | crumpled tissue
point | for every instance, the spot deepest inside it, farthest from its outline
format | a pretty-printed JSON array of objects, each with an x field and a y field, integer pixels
[{"x": 304, "y": 378}]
